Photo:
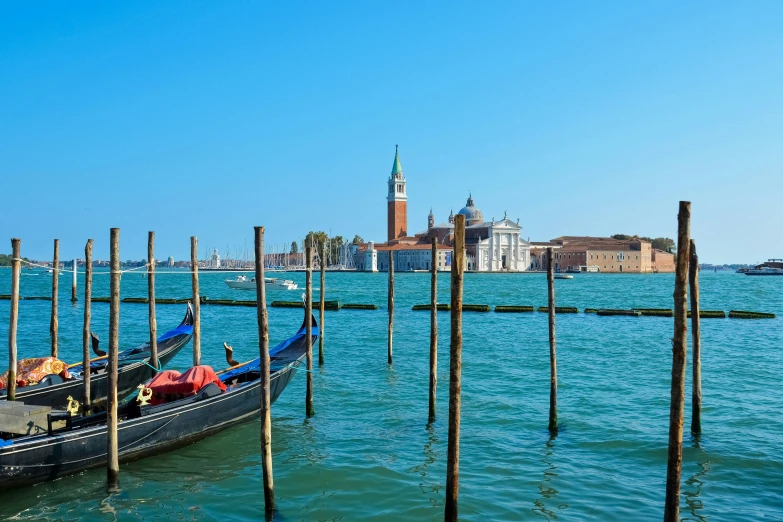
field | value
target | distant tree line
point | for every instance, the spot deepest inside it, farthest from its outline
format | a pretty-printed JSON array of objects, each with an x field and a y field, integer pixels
[
  {"x": 661, "y": 243},
  {"x": 320, "y": 238},
  {"x": 5, "y": 259}
]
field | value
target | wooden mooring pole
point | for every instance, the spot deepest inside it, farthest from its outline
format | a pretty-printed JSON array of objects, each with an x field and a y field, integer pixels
[
  {"x": 112, "y": 452},
  {"x": 196, "y": 301},
  {"x": 53, "y": 324},
  {"x": 455, "y": 369},
  {"x": 86, "y": 329},
  {"x": 263, "y": 346},
  {"x": 151, "y": 299},
  {"x": 16, "y": 267},
  {"x": 693, "y": 276},
  {"x": 322, "y": 304},
  {"x": 73, "y": 286},
  {"x": 550, "y": 277},
  {"x": 391, "y": 303},
  {"x": 679, "y": 345},
  {"x": 309, "y": 411},
  {"x": 433, "y": 330}
]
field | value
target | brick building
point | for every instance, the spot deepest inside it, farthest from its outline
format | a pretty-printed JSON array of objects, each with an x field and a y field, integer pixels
[{"x": 601, "y": 254}]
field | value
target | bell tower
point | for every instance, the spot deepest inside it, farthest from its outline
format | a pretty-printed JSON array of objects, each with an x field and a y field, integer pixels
[{"x": 397, "y": 201}]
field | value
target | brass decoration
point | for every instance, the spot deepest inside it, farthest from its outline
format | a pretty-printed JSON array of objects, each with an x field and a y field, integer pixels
[
  {"x": 73, "y": 406},
  {"x": 144, "y": 396}
]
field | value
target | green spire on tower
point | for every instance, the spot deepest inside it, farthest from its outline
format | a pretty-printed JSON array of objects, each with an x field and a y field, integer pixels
[{"x": 397, "y": 167}]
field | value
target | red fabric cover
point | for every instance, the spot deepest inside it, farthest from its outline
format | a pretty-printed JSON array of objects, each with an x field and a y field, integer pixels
[{"x": 171, "y": 385}]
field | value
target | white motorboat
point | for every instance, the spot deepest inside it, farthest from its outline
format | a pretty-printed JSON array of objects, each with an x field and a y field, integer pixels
[
  {"x": 271, "y": 283},
  {"x": 764, "y": 270},
  {"x": 563, "y": 276}
]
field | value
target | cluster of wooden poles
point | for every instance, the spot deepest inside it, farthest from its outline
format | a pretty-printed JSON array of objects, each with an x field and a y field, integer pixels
[
  {"x": 112, "y": 461},
  {"x": 687, "y": 264},
  {"x": 686, "y": 257}
]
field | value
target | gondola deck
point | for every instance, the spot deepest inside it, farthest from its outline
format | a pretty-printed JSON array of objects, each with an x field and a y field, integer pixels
[
  {"x": 150, "y": 430},
  {"x": 133, "y": 369}
]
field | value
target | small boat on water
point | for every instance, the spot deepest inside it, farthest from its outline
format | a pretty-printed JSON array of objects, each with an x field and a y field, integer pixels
[
  {"x": 271, "y": 283},
  {"x": 156, "y": 421},
  {"x": 132, "y": 369},
  {"x": 768, "y": 268},
  {"x": 563, "y": 276},
  {"x": 764, "y": 271}
]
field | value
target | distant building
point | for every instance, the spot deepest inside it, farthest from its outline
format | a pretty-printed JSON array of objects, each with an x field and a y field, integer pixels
[
  {"x": 214, "y": 260},
  {"x": 490, "y": 246},
  {"x": 171, "y": 262},
  {"x": 601, "y": 254}
]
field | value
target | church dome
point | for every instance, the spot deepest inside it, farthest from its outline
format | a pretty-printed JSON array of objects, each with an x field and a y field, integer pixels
[{"x": 473, "y": 215}]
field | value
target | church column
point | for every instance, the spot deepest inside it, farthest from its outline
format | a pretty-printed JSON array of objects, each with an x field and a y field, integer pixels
[
  {"x": 500, "y": 253},
  {"x": 491, "y": 251}
]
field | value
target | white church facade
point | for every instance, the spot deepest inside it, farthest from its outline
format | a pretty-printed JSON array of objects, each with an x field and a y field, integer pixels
[{"x": 491, "y": 246}]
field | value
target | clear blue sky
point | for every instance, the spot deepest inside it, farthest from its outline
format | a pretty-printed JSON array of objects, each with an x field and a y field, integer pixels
[{"x": 206, "y": 118}]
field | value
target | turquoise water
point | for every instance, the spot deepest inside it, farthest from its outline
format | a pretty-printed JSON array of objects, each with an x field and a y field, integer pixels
[{"x": 368, "y": 454}]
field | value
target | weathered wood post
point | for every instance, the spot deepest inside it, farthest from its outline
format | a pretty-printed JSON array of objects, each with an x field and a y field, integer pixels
[
  {"x": 693, "y": 276},
  {"x": 550, "y": 277},
  {"x": 53, "y": 323},
  {"x": 391, "y": 303},
  {"x": 455, "y": 369},
  {"x": 309, "y": 328},
  {"x": 679, "y": 345},
  {"x": 322, "y": 306},
  {"x": 263, "y": 347},
  {"x": 112, "y": 453},
  {"x": 73, "y": 286},
  {"x": 16, "y": 266},
  {"x": 196, "y": 301},
  {"x": 151, "y": 298},
  {"x": 86, "y": 329},
  {"x": 433, "y": 329}
]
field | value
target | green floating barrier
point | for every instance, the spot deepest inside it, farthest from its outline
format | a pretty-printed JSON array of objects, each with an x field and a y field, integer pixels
[
  {"x": 514, "y": 309},
  {"x": 36, "y": 298},
  {"x": 100, "y": 299},
  {"x": 165, "y": 301},
  {"x": 609, "y": 311},
  {"x": 742, "y": 314},
  {"x": 442, "y": 307},
  {"x": 134, "y": 300},
  {"x": 349, "y": 306},
  {"x": 286, "y": 304},
  {"x": 328, "y": 305},
  {"x": 227, "y": 302},
  {"x": 5, "y": 297},
  {"x": 475, "y": 308},
  {"x": 710, "y": 314},
  {"x": 655, "y": 312},
  {"x": 560, "y": 309},
  {"x": 246, "y": 303},
  {"x": 591, "y": 310},
  {"x": 182, "y": 301}
]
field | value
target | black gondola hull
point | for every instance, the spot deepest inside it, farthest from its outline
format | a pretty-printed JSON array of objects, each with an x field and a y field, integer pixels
[
  {"x": 129, "y": 376},
  {"x": 151, "y": 430},
  {"x": 40, "y": 459}
]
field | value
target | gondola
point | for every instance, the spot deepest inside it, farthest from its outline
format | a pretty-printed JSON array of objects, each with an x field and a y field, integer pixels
[
  {"x": 146, "y": 430},
  {"x": 133, "y": 368}
]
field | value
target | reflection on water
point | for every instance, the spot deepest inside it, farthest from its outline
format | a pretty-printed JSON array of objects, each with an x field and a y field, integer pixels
[
  {"x": 547, "y": 493},
  {"x": 428, "y": 484},
  {"x": 692, "y": 491},
  {"x": 106, "y": 506}
]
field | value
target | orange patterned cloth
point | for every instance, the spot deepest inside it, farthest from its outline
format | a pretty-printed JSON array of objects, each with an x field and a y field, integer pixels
[{"x": 31, "y": 371}]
